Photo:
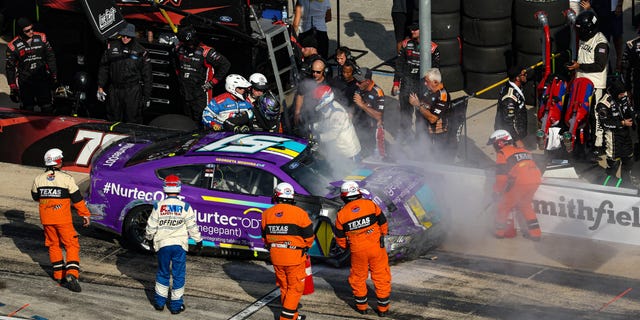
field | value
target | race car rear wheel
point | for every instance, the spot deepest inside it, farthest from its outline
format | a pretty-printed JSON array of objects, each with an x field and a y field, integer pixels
[{"x": 135, "y": 224}]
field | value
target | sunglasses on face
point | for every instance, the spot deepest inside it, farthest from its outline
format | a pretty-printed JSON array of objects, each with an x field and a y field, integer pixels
[
  {"x": 317, "y": 72},
  {"x": 27, "y": 30}
]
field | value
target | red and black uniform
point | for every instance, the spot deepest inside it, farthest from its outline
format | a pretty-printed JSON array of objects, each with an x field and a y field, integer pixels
[
  {"x": 57, "y": 192},
  {"x": 288, "y": 233},
  {"x": 31, "y": 68},
  {"x": 361, "y": 225},
  {"x": 127, "y": 70},
  {"x": 517, "y": 179},
  {"x": 370, "y": 132},
  {"x": 408, "y": 77},
  {"x": 197, "y": 67},
  {"x": 511, "y": 114}
]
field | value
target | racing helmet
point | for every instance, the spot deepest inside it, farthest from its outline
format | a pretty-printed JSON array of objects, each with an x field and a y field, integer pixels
[
  {"x": 349, "y": 191},
  {"x": 258, "y": 81},
  {"x": 269, "y": 105},
  {"x": 234, "y": 81},
  {"x": 53, "y": 157},
  {"x": 172, "y": 184},
  {"x": 324, "y": 95},
  {"x": 586, "y": 25},
  {"x": 283, "y": 193},
  {"x": 499, "y": 139}
]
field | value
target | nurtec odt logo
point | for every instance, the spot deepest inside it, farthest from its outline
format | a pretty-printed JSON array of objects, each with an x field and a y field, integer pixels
[{"x": 576, "y": 209}]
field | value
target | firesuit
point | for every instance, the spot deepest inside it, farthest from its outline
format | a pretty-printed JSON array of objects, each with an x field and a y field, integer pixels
[
  {"x": 511, "y": 113},
  {"x": 408, "y": 78},
  {"x": 199, "y": 69},
  {"x": 616, "y": 118},
  {"x": 228, "y": 112},
  {"x": 517, "y": 179},
  {"x": 171, "y": 223},
  {"x": 126, "y": 68},
  {"x": 57, "y": 192},
  {"x": 361, "y": 226},
  {"x": 30, "y": 68},
  {"x": 287, "y": 232},
  {"x": 631, "y": 77}
]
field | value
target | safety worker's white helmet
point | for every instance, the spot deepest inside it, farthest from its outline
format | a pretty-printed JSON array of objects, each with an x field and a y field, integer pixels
[
  {"x": 234, "y": 81},
  {"x": 283, "y": 192},
  {"x": 53, "y": 157},
  {"x": 258, "y": 81},
  {"x": 500, "y": 138},
  {"x": 350, "y": 190},
  {"x": 172, "y": 184}
]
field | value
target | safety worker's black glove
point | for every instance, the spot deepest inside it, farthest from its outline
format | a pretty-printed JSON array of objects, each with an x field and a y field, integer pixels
[
  {"x": 198, "y": 248},
  {"x": 382, "y": 241},
  {"x": 207, "y": 86},
  {"x": 14, "y": 95},
  {"x": 147, "y": 244}
]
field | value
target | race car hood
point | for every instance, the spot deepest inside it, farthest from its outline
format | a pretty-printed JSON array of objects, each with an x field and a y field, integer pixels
[{"x": 117, "y": 155}]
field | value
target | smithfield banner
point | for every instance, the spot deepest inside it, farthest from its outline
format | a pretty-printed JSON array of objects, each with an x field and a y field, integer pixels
[
  {"x": 104, "y": 16},
  {"x": 607, "y": 214}
]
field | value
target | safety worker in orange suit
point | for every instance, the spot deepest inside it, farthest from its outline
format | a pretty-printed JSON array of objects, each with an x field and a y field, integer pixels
[
  {"x": 517, "y": 179},
  {"x": 287, "y": 232},
  {"x": 57, "y": 192},
  {"x": 361, "y": 225}
]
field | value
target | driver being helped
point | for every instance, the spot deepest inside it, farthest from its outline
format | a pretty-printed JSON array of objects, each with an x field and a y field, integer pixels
[{"x": 230, "y": 111}]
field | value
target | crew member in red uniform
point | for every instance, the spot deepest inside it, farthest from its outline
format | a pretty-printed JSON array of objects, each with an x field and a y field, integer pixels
[
  {"x": 30, "y": 67},
  {"x": 200, "y": 68},
  {"x": 517, "y": 179},
  {"x": 57, "y": 192},
  {"x": 361, "y": 226},
  {"x": 287, "y": 232}
]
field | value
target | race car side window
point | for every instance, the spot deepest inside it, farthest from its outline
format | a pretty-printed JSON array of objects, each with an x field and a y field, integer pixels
[
  {"x": 189, "y": 175},
  {"x": 242, "y": 179}
]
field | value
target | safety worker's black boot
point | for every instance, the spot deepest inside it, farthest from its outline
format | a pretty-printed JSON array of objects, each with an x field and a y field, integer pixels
[
  {"x": 182, "y": 308},
  {"x": 382, "y": 314},
  {"x": 72, "y": 283}
]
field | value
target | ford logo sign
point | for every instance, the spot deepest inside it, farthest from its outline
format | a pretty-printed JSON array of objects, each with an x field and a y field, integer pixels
[{"x": 226, "y": 19}]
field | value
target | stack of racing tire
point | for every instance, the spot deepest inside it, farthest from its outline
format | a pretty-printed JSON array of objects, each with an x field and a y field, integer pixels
[
  {"x": 486, "y": 45},
  {"x": 445, "y": 32}
]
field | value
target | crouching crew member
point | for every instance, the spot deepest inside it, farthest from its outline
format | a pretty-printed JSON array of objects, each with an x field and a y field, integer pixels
[
  {"x": 361, "y": 225},
  {"x": 170, "y": 225},
  {"x": 287, "y": 232},
  {"x": 57, "y": 191}
]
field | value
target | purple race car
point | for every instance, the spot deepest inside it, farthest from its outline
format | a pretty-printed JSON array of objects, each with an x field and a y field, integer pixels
[{"x": 229, "y": 180}]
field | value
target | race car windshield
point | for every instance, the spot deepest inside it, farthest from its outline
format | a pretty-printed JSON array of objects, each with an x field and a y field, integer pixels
[
  {"x": 164, "y": 148},
  {"x": 313, "y": 176}
]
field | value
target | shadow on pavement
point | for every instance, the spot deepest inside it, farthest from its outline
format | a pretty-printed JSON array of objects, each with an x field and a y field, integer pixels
[{"x": 28, "y": 238}]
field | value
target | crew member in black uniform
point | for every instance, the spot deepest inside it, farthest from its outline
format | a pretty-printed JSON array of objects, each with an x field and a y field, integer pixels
[
  {"x": 200, "y": 68},
  {"x": 30, "y": 67},
  {"x": 407, "y": 78},
  {"x": 126, "y": 68},
  {"x": 616, "y": 115},
  {"x": 631, "y": 77},
  {"x": 511, "y": 113}
]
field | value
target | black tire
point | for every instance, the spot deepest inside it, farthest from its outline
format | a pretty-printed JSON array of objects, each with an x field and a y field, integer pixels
[
  {"x": 486, "y": 33},
  {"x": 526, "y": 60},
  {"x": 445, "y": 6},
  {"x": 174, "y": 121},
  {"x": 530, "y": 40},
  {"x": 449, "y": 51},
  {"x": 445, "y": 25},
  {"x": 475, "y": 81},
  {"x": 133, "y": 229},
  {"x": 487, "y": 9},
  {"x": 524, "y": 12},
  {"x": 486, "y": 59},
  {"x": 452, "y": 77}
]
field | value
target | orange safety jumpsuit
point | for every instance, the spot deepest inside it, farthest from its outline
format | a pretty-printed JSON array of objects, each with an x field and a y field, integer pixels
[
  {"x": 362, "y": 224},
  {"x": 57, "y": 191},
  {"x": 517, "y": 179},
  {"x": 287, "y": 232}
]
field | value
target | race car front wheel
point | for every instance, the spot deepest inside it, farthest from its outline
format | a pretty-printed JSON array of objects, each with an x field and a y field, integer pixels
[{"x": 134, "y": 228}]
